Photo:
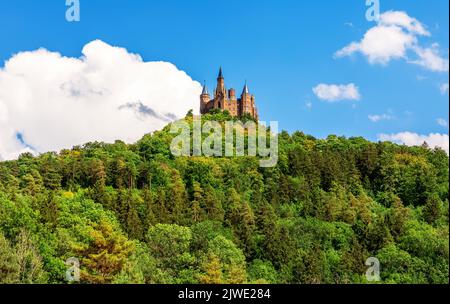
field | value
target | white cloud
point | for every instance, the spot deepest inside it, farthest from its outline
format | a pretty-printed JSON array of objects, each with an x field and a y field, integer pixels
[
  {"x": 381, "y": 44},
  {"x": 378, "y": 118},
  {"x": 56, "y": 102},
  {"x": 396, "y": 37},
  {"x": 442, "y": 122},
  {"x": 333, "y": 92},
  {"x": 402, "y": 19},
  {"x": 414, "y": 139},
  {"x": 443, "y": 88},
  {"x": 430, "y": 59}
]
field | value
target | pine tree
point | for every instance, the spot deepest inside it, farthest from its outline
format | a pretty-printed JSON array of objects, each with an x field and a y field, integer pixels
[
  {"x": 178, "y": 200},
  {"x": 50, "y": 172},
  {"x": 267, "y": 226},
  {"x": 149, "y": 217},
  {"x": 133, "y": 222},
  {"x": 49, "y": 208},
  {"x": 106, "y": 255},
  {"x": 432, "y": 210},
  {"x": 246, "y": 228},
  {"x": 160, "y": 209},
  {"x": 196, "y": 209},
  {"x": 213, "y": 205}
]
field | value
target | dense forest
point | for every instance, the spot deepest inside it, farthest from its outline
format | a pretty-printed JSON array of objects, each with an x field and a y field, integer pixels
[{"x": 134, "y": 213}]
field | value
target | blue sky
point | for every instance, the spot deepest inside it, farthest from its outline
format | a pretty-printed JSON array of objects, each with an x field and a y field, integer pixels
[{"x": 283, "y": 48}]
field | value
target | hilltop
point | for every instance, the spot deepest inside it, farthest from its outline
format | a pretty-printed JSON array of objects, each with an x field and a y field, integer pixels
[{"x": 134, "y": 213}]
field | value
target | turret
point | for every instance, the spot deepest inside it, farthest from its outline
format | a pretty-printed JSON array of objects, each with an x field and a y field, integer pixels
[
  {"x": 204, "y": 98},
  {"x": 245, "y": 90},
  {"x": 220, "y": 90},
  {"x": 246, "y": 100},
  {"x": 232, "y": 94}
]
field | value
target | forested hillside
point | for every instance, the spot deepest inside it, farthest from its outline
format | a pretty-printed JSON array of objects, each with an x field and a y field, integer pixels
[{"x": 137, "y": 214}]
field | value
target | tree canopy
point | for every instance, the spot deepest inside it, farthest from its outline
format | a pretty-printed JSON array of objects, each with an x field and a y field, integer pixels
[{"x": 134, "y": 213}]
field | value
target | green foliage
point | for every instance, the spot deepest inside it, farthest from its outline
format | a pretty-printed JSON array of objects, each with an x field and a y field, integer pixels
[
  {"x": 170, "y": 244},
  {"x": 262, "y": 272},
  {"x": 135, "y": 214},
  {"x": 9, "y": 263}
]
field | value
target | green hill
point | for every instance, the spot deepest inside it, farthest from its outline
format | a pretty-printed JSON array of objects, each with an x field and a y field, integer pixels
[{"x": 137, "y": 214}]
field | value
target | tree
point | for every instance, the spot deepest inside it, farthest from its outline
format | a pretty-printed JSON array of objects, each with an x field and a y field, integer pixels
[
  {"x": 308, "y": 267},
  {"x": 169, "y": 245},
  {"x": 231, "y": 258},
  {"x": 32, "y": 183},
  {"x": 262, "y": 272},
  {"x": 213, "y": 205},
  {"x": 433, "y": 209},
  {"x": 29, "y": 259},
  {"x": 133, "y": 222},
  {"x": 245, "y": 227},
  {"x": 149, "y": 216},
  {"x": 9, "y": 263},
  {"x": 105, "y": 256},
  {"x": 397, "y": 217},
  {"x": 49, "y": 208},
  {"x": 267, "y": 225},
  {"x": 50, "y": 172},
  {"x": 212, "y": 271}
]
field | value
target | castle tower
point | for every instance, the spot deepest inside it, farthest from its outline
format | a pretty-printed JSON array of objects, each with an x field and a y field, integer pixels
[
  {"x": 204, "y": 99},
  {"x": 246, "y": 101},
  {"x": 254, "y": 109},
  {"x": 220, "y": 95}
]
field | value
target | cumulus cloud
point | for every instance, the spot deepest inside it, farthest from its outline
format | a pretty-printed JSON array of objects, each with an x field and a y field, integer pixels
[
  {"x": 53, "y": 102},
  {"x": 381, "y": 44},
  {"x": 396, "y": 36},
  {"x": 435, "y": 140},
  {"x": 378, "y": 118},
  {"x": 443, "y": 88},
  {"x": 333, "y": 92}
]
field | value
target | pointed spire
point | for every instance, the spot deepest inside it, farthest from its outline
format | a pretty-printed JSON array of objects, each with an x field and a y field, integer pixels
[
  {"x": 205, "y": 89},
  {"x": 220, "y": 73},
  {"x": 245, "y": 90}
]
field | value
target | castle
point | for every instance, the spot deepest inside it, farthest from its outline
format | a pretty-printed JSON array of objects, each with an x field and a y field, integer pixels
[{"x": 226, "y": 100}]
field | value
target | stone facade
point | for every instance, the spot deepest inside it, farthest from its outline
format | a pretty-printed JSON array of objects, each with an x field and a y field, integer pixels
[{"x": 226, "y": 100}]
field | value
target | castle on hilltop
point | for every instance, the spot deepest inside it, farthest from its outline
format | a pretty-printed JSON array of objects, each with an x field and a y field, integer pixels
[{"x": 226, "y": 100}]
